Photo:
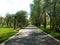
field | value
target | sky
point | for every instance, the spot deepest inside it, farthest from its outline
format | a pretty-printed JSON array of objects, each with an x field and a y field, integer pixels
[{"x": 12, "y": 6}]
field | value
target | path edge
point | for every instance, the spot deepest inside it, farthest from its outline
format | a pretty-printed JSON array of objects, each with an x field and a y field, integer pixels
[{"x": 9, "y": 38}]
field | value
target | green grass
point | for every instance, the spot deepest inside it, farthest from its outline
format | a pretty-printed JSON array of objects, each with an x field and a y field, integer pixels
[
  {"x": 54, "y": 33},
  {"x": 5, "y": 33}
]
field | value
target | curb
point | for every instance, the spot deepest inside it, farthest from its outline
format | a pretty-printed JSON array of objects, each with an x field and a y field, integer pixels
[{"x": 51, "y": 36}]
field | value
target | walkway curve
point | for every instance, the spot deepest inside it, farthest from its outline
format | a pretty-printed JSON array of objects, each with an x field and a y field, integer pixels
[{"x": 31, "y": 35}]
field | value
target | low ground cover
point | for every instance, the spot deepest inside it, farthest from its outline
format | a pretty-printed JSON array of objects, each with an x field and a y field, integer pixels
[
  {"x": 5, "y": 33},
  {"x": 54, "y": 33}
]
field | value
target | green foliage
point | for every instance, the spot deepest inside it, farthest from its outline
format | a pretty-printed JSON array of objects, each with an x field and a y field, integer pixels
[
  {"x": 14, "y": 20},
  {"x": 1, "y": 21},
  {"x": 21, "y": 19},
  {"x": 9, "y": 19},
  {"x": 41, "y": 9},
  {"x": 52, "y": 32},
  {"x": 5, "y": 33},
  {"x": 35, "y": 13}
]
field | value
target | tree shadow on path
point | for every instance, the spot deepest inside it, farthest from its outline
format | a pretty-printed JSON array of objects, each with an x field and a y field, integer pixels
[{"x": 34, "y": 38}]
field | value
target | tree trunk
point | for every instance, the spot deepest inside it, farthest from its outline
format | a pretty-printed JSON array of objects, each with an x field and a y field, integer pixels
[{"x": 45, "y": 21}]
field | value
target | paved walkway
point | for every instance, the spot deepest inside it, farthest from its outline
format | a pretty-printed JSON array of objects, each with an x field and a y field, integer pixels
[{"x": 31, "y": 36}]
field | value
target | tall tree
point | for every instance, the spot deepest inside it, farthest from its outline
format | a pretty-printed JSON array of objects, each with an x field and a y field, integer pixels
[
  {"x": 35, "y": 12},
  {"x": 21, "y": 18}
]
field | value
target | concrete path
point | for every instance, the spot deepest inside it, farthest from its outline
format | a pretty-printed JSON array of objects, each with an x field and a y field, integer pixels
[{"x": 31, "y": 36}]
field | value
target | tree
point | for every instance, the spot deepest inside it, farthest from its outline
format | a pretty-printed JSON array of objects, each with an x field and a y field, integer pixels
[
  {"x": 9, "y": 19},
  {"x": 35, "y": 13},
  {"x": 21, "y": 18},
  {"x": 42, "y": 8},
  {"x": 1, "y": 21}
]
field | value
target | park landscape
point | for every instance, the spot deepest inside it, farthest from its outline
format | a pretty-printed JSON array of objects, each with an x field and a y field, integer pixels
[
  {"x": 44, "y": 15},
  {"x": 10, "y": 24}
]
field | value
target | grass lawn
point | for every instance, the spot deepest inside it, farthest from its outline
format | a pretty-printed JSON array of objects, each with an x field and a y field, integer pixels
[
  {"x": 54, "y": 33},
  {"x": 5, "y": 33}
]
